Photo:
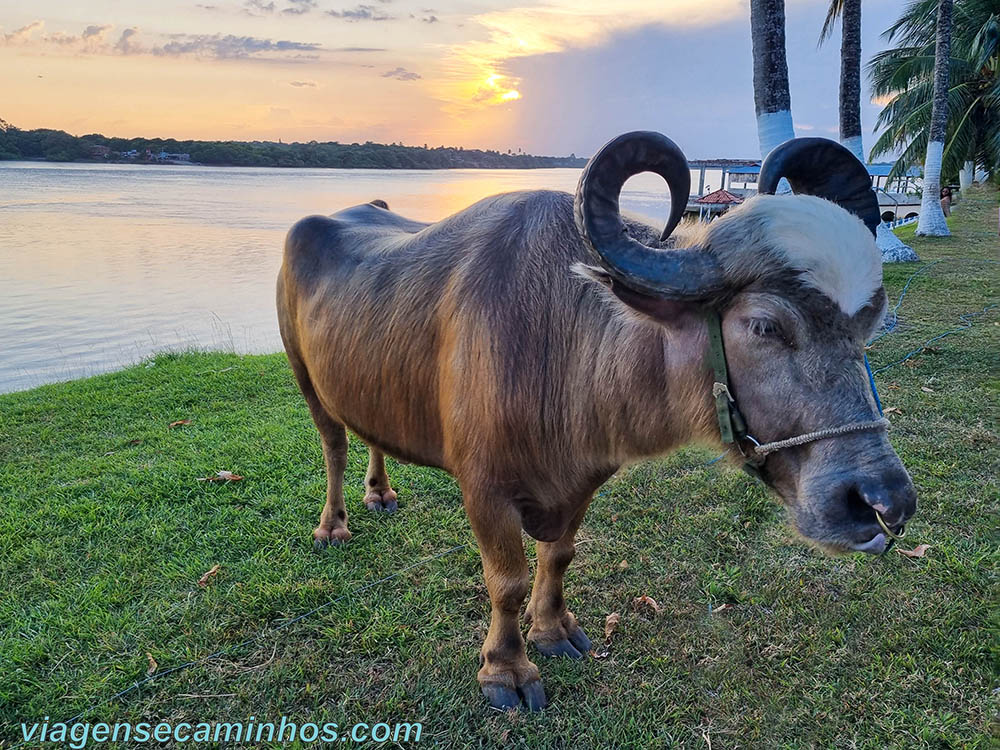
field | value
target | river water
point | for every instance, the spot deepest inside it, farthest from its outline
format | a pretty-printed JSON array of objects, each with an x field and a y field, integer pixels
[{"x": 103, "y": 265}]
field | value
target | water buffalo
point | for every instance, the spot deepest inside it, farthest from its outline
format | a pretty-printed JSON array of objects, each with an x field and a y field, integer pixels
[{"x": 536, "y": 342}]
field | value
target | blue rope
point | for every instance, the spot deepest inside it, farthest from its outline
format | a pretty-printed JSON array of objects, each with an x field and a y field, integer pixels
[
  {"x": 871, "y": 380},
  {"x": 966, "y": 325},
  {"x": 892, "y": 318}
]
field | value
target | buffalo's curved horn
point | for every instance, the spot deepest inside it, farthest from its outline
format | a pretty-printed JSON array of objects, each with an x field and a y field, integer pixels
[
  {"x": 821, "y": 167},
  {"x": 679, "y": 273}
]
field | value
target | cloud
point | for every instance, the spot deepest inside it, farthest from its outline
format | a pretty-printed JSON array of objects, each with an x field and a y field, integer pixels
[
  {"x": 62, "y": 38},
  {"x": 24, "y": 33},
  {"x": 401, "y": 74},
  {"x": 430, "y": 19},
  {"x": 298, "y": 7},
  {"x": 479, "y": 66},
  {"x": 125, "y": 45},
  {"x": 300, "y": 84},
  {"x": 361, "y": 13},
  {"x": 255, "y": 7},
  {"x": 358, "y": 49},
  {"x": 230, "y": 47},
  {"x": 91, "y": 39},
  {"x": 94, "y": 31}
]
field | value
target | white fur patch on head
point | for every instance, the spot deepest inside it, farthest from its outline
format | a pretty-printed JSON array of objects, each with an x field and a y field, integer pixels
[{"x": 831, "y": 247}]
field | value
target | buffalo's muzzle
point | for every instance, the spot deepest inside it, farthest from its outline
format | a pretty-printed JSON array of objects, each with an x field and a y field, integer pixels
[{"x": 891, "y": 496}]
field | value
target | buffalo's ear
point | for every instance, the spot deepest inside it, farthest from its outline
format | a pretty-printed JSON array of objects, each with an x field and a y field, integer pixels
[
  {"x": 868, "y": 319},
  {"x": 661, "y": 309}
]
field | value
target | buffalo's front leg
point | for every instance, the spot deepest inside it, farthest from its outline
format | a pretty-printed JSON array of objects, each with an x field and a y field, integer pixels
[
  {"x": 378, "y": 494},
  {"x": 554, "y": 630},
  {"x": 507, "y": 677}
]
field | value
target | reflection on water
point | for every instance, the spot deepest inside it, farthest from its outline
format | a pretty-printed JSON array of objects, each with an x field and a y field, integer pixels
[{"x": 102, "y": 265}]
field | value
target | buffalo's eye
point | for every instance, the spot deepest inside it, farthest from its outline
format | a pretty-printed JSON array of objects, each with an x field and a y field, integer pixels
[{"x": 766, "y": 328}]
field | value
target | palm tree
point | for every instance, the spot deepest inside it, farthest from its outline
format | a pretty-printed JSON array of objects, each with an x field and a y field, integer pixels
[
  {"x": 905, "y": 75},
  {"x": 849, "y": 13},
  {"x": 931, "y": 222},
  {"x": 770, "y": 74}
]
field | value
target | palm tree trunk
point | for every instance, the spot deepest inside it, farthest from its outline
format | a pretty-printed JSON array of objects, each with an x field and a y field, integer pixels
[
  {"x": 850, "y": 78},
  {"x": 770, "y": 74},
  {"x": 966, "y": 175},
  {"x": 931, "y": 222}
]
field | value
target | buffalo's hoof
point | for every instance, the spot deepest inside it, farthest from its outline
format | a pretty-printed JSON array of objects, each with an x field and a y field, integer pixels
[
  {"x": 381, "y": 501},
  {"x": 532, "y": 694},
  {"x": 323, "y": 538},
  {"x": 576, "y": 646}
]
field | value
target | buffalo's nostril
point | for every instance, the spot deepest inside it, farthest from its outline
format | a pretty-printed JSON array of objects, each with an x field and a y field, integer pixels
[
  {"x": 878, "y": 498},
  {"x": 894, "y": 500},
  {"x": 858, "y": 509}
]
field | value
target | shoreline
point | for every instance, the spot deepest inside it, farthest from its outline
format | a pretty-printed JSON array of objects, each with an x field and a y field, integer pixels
[{"x": 282, "y": 166}]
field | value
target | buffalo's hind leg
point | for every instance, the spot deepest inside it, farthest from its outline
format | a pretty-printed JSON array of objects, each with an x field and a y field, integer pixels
[
  {"x": 332, "y": 527},
  {"x": 507, "y": 678},
  {"x": 554, "y": 630},
  {"x": 378, "y": 494}
]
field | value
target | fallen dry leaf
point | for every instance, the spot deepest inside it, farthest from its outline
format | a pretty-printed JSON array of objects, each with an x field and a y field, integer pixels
[
  {"x": 722, "y": 607},
  {"x": 647, "y": 601},
  {"x": 892, "y": 410},
  {"x": 152, "y": 664},
  {"x": 209, "y": 575},
  {"x": 179, "y": 423},
  {"x": 614, "y": 518},
  {"x": 623, "y": 564},
  {"x": 222, "y": 476},
  {"x": 919, "y": 551},
  {"x": 136, "y": 441},
  {"x": 925, "y": 389},
  {"x": 611, "y": 624}
]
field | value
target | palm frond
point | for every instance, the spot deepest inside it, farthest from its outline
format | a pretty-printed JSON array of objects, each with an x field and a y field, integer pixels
[
  {"x": 905, "y": 74},
  {"x": 832, "y": 14}
]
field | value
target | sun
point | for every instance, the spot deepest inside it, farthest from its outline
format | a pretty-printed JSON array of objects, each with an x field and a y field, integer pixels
[{"x": 497, "y": 89}]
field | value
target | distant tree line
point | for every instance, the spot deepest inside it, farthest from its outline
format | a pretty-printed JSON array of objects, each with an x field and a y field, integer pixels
[{"x": 56, "y": 145}]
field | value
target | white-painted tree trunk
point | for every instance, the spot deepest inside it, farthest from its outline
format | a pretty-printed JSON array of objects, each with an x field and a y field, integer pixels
[
  {"x": 965, "y": 175},
  {"x": 773, "y": 129},
  {"x": 893, "y": 249},
  {"x": 931, "y": 222},
  {"x": 854, "y": 145}
]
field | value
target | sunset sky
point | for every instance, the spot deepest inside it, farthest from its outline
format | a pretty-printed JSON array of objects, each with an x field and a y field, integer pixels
[{"x": 550, "y": 76}]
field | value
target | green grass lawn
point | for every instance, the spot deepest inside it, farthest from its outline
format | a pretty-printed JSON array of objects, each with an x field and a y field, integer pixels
[{"x": 105, "y": 532}]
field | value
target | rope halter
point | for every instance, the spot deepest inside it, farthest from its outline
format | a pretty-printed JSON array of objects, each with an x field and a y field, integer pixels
[{"x": 733, "y": 427}]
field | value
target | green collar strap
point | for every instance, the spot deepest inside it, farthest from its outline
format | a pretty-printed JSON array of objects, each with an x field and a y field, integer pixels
[{"x": 732, "y": 426}]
